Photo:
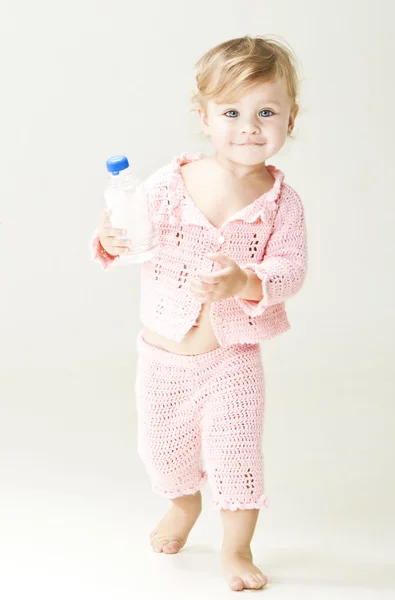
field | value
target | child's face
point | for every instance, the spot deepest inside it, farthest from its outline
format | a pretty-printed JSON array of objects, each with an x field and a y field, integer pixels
[{"x": 252, "y": 129}]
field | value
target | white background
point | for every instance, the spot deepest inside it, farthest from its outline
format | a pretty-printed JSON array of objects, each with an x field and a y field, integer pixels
[{"x": 84, "y": 80}]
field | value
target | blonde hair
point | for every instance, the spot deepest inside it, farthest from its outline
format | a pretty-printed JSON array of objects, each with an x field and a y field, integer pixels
[{"x": 236, "y": 65}]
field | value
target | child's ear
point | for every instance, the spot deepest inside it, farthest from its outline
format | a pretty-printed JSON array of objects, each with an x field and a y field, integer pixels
[
  {"x": 292, "y": 117},
  {"x": 203, "y": 120}
]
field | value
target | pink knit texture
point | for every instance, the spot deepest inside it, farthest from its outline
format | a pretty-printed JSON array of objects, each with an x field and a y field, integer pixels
[
  {"x": 212, "y": 405},
  {"x": 267, "y": 236}
]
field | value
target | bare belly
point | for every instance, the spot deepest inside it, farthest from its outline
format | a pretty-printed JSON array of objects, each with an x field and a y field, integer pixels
[{"x": 199, "y": 339}]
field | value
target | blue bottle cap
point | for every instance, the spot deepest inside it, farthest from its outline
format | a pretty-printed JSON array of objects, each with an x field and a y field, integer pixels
[{"x": 117, "y": 163}]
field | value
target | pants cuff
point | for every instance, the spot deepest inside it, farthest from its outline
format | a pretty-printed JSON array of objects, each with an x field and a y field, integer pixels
[
  {"x": 171, "y": 494},
  {"x": 224, "y": 505}
]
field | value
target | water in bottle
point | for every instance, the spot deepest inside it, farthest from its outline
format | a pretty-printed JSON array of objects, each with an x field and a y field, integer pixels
[{"x": 130, "y": 210}]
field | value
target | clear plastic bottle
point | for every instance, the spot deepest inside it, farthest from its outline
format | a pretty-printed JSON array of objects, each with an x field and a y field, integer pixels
[{"x": 125, "y": 197}]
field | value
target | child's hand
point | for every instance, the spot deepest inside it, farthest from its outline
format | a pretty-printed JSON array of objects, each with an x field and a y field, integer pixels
[
  {"x": 219, "y": 285},
  {"x": 110, "y": 238}
]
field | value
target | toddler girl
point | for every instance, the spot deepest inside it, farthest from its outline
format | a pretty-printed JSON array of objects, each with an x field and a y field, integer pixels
[{"x": 232, "y": 250}]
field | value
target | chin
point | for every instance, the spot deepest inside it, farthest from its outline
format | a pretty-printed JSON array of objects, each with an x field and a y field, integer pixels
[{"x": 249, "y": 158}]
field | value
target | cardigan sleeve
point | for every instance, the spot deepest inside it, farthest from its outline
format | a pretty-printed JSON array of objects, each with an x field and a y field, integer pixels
[{"x": 284, "y": 265}]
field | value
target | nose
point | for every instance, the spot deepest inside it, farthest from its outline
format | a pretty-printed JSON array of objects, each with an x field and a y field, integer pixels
[{"x": 250, "y": 128}]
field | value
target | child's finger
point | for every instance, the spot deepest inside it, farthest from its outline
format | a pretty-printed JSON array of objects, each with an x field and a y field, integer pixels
[
  {"x": 201, "y": 291},
  {"x": 211, "y": 278},
  {"x": 116, "y": 248},
  {"x": 121, "y": 243},
  {"x": 105, "y": 219},
  {"x": 115, "y": 233},
  {"x": 216, "y": 277},
  {"x": 203, "y": 298},
  {"x": 200, "y": 286},
  {"x": 221, "y": 259},
  {"x": 194, "y": 287}
]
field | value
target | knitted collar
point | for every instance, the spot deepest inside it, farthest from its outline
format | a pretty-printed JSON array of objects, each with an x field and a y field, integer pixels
[{"x": 261, "y": 208}]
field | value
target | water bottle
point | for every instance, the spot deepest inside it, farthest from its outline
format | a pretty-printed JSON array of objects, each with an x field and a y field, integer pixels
[{"x": 125, "y": 197}]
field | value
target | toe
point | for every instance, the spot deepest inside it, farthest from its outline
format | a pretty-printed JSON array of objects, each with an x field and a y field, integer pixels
[
  {"x": 263, "y": 580},
  {"x": 252, "y": 582},
  {"x": 256, "y": 581},
  {"x": 172, "y": 548},
  {"x": 236, "y": 584},
  {"x": 157, "y": 545}
]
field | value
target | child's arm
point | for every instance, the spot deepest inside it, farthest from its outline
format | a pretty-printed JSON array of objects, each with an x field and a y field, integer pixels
[
  {"x": 252, "y": 291},
  {"x": 106, "y": 243},
  {"x": 282, "y": 271},
  {"x": 280, "y": 275}
]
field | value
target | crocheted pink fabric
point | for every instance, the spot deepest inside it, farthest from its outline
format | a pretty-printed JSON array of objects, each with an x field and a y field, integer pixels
[
  {"x": 267, "y": 236},
  {"x": 213, "y": 403}
]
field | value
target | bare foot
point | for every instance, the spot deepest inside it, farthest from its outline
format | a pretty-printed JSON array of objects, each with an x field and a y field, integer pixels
[
  {"x": 172, "y": 532},
  {"x": 241, "y": 572}
]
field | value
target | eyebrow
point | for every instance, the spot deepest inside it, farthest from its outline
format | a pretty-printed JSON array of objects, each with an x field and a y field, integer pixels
[{"x": 272, "y": 102}]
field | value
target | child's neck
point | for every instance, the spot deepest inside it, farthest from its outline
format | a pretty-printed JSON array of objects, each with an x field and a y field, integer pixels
[{"x": 241, "y": 171}]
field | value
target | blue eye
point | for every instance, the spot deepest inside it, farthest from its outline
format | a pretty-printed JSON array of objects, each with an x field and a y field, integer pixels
[
  {"x": 232, "y": 114},
  {"x": 266, "y": 113}
]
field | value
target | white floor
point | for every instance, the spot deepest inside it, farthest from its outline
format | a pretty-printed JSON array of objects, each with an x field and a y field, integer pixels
[
  {"x": 75, "y": 547},
  {"x": 76, "y": 510}
]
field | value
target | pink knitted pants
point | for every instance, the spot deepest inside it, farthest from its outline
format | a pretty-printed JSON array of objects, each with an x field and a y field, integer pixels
[{"x": 211, "y": 405}]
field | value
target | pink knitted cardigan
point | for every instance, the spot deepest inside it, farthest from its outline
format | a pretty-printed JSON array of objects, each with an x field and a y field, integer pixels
[{"x": 267, "y": 236}]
